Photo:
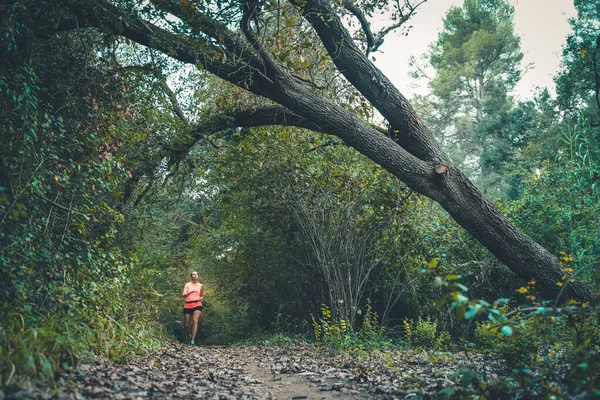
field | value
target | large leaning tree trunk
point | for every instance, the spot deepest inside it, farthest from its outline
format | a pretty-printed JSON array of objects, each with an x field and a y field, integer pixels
[{"x": 234, "y": 50}]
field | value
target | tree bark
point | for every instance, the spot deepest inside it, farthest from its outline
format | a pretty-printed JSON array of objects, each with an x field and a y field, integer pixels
[{"x": 410, "y": 151}]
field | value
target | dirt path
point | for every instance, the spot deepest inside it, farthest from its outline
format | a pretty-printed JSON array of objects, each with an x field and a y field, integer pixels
[
  {"x": 185, "y": 372},
  {"x": 288, "y": 372}
]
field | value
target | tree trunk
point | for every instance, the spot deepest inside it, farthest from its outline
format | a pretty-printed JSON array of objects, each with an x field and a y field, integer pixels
[{"x": 481, "y": 218}]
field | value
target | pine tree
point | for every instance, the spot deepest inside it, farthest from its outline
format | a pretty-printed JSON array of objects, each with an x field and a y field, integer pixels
[{"x": 476, "y": 62}]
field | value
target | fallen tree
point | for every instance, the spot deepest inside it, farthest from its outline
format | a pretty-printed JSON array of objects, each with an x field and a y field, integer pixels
[{"x": 228, "y": 40}]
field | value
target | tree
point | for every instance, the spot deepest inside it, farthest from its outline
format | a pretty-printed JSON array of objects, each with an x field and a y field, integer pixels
[
  {"x": 476, "y": 61},
  {"x": 225, "y": 39},
  {"x": 578, "y": 84}
]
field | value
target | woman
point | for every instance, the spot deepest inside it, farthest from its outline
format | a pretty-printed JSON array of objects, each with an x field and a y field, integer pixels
[{"x": 192, "y": 309}]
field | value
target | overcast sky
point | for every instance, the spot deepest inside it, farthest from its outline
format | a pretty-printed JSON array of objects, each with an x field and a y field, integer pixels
[{"x": 541, "y": 24}]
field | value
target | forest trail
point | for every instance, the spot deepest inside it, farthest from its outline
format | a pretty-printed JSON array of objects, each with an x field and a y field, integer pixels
[{"x": 251, "y": 372}]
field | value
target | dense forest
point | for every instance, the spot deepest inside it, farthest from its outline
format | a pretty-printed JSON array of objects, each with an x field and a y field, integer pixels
[{"x": 257, "y": 143}]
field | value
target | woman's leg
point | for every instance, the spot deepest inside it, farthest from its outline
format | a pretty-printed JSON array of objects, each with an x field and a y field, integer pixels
[
  {"x": 187, "y": 319},
  {"x": 195, "y": 323}
]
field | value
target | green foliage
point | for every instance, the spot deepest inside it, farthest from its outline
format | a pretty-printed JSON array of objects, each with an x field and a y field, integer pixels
[
  {"x": 585, "y": 367},
  {"x": 559, "y": 206},
  {"x": 337, "y": 335},
  {"x": 560, "y": 203},
  {"x": 478, "y": 38},
  {"x": 424, "y": 333},
  {"x": 542, "y": 345},
  {"x": 290, "y": 214},
  {"x": 108, "y": 198},
  {"x": 519, "y": 348},
  {"x": 476, "y": 64},
  {"x": 68, "y": 287},
  {"x": 487, "y": 338},
  {"x": 106, "y": 319},
  {"x": 28, "y": 351},
  {"x": 576, "y": 83},
  {"x": 227, "y": 321}
]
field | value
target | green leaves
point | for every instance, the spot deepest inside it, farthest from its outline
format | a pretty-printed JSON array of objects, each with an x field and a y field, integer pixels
[
  {"x": 576, "y": 82},
  {"x": 60, "y": 176},
  {"x": 507, "y": 330},
  {"x": 560, "y": 202},
  {"x": 476, "y": 62}
]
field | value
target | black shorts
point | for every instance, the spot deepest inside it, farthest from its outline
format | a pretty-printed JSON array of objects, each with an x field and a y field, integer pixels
[{"x": 191, "y": 310}]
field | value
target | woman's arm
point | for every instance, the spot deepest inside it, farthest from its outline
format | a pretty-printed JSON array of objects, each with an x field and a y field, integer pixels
[{"x": 185, "y": 292}]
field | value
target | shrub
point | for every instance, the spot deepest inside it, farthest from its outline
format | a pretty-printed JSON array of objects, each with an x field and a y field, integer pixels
[
  {"x": 425, "y": 333},
  {"x": 339, "y": 336},
  {"x": 34, "y": 352},
  {"x": 560, "y": 342},
  {"x": 519, "y": 350}
]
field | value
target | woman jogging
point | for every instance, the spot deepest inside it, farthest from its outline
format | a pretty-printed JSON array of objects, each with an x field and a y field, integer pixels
[{"x": 192, "y": 309}]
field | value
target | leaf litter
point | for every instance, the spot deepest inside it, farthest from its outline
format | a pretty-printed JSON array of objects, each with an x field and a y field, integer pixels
[{"x": 291, "y": 371}]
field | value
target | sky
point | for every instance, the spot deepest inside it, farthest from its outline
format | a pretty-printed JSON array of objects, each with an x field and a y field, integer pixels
[{"x": 541, "y": 24}]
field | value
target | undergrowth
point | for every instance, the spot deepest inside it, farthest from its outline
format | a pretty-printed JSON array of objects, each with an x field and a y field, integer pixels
[
  {"x": 37, "y": 345},
  {"x": 549, "y": 351},
  {"x": 58, "y": 343},
  {"x": 338, "y": 335}
]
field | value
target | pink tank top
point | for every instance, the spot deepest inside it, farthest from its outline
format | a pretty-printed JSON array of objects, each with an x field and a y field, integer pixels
[{"x": 192, "y": 300}]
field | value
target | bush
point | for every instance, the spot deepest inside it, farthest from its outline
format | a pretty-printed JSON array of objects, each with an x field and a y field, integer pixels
[
  {"x": 424, "y": 333},
  {"x": 560, "y": 343},
  {"x": 101, "y": 318},
  {"x": 339, "y": 336},
  {"x": 520, "y": 350},
  {"x": 34, "y": 352}
]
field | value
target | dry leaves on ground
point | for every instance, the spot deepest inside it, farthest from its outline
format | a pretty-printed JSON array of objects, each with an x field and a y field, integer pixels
[{"x": 299, "y": 371}]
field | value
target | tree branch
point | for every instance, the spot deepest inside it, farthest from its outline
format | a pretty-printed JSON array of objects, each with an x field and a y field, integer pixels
[
  {"x": 251, "y": 9},
  {"x": 403, "y": 17},
  {"x": 279, "y": 86},
  {"x": 201, "y": 23},
  {"x": 362, "y": 19},
  {"x": 374, "y": 41},
  {"x": 412, "y": 157},
  {"x": 68, "y": 209},
  {"x": 242, "y": 68},
  {"x": 274, "y": 115},
  {"x": 412, "y": 135}
]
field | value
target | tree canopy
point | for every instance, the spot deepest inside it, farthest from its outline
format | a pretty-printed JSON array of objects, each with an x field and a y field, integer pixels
[
  {"x": 228, "y": 43},
  {"x": 477, "y": 63}
]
